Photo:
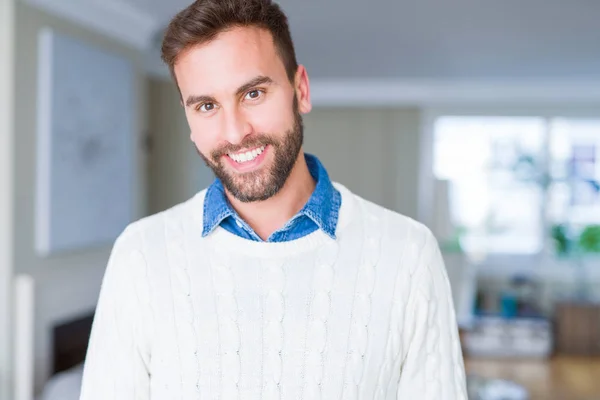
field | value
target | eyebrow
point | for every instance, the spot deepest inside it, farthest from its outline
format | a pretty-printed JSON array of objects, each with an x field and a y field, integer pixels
[
  {"x": 259, "y": 80},
  {"x": 199, "y": 99}
]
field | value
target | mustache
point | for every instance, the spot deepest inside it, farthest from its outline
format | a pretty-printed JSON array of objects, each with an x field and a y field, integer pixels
[{"x": 248, "y": 142}]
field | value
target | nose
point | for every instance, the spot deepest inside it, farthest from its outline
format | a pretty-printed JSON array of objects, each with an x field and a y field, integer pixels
[{"x": 236, "y": 126}]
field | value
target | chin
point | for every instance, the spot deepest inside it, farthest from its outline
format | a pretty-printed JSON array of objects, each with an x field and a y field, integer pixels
[{"x": 252, "y": 186}]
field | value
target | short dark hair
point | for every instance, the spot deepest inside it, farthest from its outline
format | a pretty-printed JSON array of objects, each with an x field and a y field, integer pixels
[{"x": 203, "y": 20}]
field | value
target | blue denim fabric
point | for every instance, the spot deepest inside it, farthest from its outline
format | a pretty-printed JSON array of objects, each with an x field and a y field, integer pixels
[{"x": 320, "y": 212}]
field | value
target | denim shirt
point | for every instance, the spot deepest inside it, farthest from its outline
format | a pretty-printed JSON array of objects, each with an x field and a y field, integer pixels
[{"x": 320, "y": 212}]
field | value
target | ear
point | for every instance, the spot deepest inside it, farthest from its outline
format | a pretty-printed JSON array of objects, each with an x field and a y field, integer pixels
[{"x": 302, "y": 88}]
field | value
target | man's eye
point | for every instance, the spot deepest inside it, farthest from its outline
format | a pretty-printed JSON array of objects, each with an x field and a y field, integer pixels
[
  {"x": 254, "y": 94},
  {"x": 206, "y": 107}
]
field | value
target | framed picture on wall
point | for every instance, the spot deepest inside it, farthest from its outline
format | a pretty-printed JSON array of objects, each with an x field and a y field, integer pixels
[{"x": 85, "y": 145}]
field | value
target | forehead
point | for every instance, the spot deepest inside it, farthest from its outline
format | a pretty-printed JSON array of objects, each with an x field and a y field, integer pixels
[{"x": 228, "y": 61}]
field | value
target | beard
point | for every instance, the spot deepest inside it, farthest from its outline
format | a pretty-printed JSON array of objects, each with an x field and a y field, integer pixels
[{"x": 267, "y": 181}]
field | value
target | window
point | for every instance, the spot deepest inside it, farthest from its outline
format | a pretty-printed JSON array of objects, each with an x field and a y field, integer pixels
[{"x": 513, "y": 180}]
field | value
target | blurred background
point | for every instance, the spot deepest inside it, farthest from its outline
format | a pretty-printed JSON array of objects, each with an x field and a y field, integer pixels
[{"x": 480, "y": 119}]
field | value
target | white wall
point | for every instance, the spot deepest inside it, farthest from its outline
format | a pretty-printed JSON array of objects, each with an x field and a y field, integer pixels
[
  {"x": 67, "y": 284},
  {"x": 6, "y": 190},
  {"x": 375, "y": 152}
]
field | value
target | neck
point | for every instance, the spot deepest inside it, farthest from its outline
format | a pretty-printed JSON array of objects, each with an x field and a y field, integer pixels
[{"x": 265, "y": 217}]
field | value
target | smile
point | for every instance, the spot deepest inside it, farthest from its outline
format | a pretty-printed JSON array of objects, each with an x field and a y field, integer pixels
[{"x": 247, "y": 155}]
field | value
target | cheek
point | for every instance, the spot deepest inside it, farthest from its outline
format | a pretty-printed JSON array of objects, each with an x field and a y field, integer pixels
[
  {"x": 274, "y": 117},
  {"x": 203, "y": 134}
]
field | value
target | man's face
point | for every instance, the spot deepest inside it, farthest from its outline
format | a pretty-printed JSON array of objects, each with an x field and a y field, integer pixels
[{"x": 243, "y": 112}]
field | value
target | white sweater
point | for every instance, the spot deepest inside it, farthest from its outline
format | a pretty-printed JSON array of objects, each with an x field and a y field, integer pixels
[{"x": 366, "y": 316}]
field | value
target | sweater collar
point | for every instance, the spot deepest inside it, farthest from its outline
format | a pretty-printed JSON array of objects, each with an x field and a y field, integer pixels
[{"x": 226, "y": 241}]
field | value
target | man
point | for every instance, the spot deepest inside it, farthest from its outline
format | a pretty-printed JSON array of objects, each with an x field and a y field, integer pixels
[{"x": 274, "y": 282}]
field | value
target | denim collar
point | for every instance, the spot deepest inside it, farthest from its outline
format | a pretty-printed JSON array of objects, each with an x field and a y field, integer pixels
[{"x": 322, "y": 207}]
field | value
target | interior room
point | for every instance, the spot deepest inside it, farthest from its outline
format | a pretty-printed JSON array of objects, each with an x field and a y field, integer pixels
[{"x": 480, "y": 120}]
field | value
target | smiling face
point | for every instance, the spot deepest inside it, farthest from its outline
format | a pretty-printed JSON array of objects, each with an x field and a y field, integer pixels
[{"x": 243, "y": 111}]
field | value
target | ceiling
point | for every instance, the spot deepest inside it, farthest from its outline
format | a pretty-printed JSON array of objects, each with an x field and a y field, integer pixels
[{"x": 430, "y": 39}]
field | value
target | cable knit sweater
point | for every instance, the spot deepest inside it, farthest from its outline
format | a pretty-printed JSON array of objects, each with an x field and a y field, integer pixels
[{"x": 366, "y": 316}]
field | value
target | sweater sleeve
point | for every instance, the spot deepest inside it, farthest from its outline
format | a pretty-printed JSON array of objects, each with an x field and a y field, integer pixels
[
  {"x": 433, "y": 366},
  {"x": 117, "y": 361}
]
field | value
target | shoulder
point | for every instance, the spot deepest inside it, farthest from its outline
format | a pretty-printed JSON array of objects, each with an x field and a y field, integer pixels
[
  {"x": 394, "y": 223},
  {"x": 156, "y": 229},
  {"x": 412, "y": 239},
  {"x": 355, "y": 208},
  {"x": 414, "y": 245}
]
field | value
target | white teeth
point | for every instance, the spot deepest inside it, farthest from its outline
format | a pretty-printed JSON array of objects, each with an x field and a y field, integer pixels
[{"x": 247, "y": 156}]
